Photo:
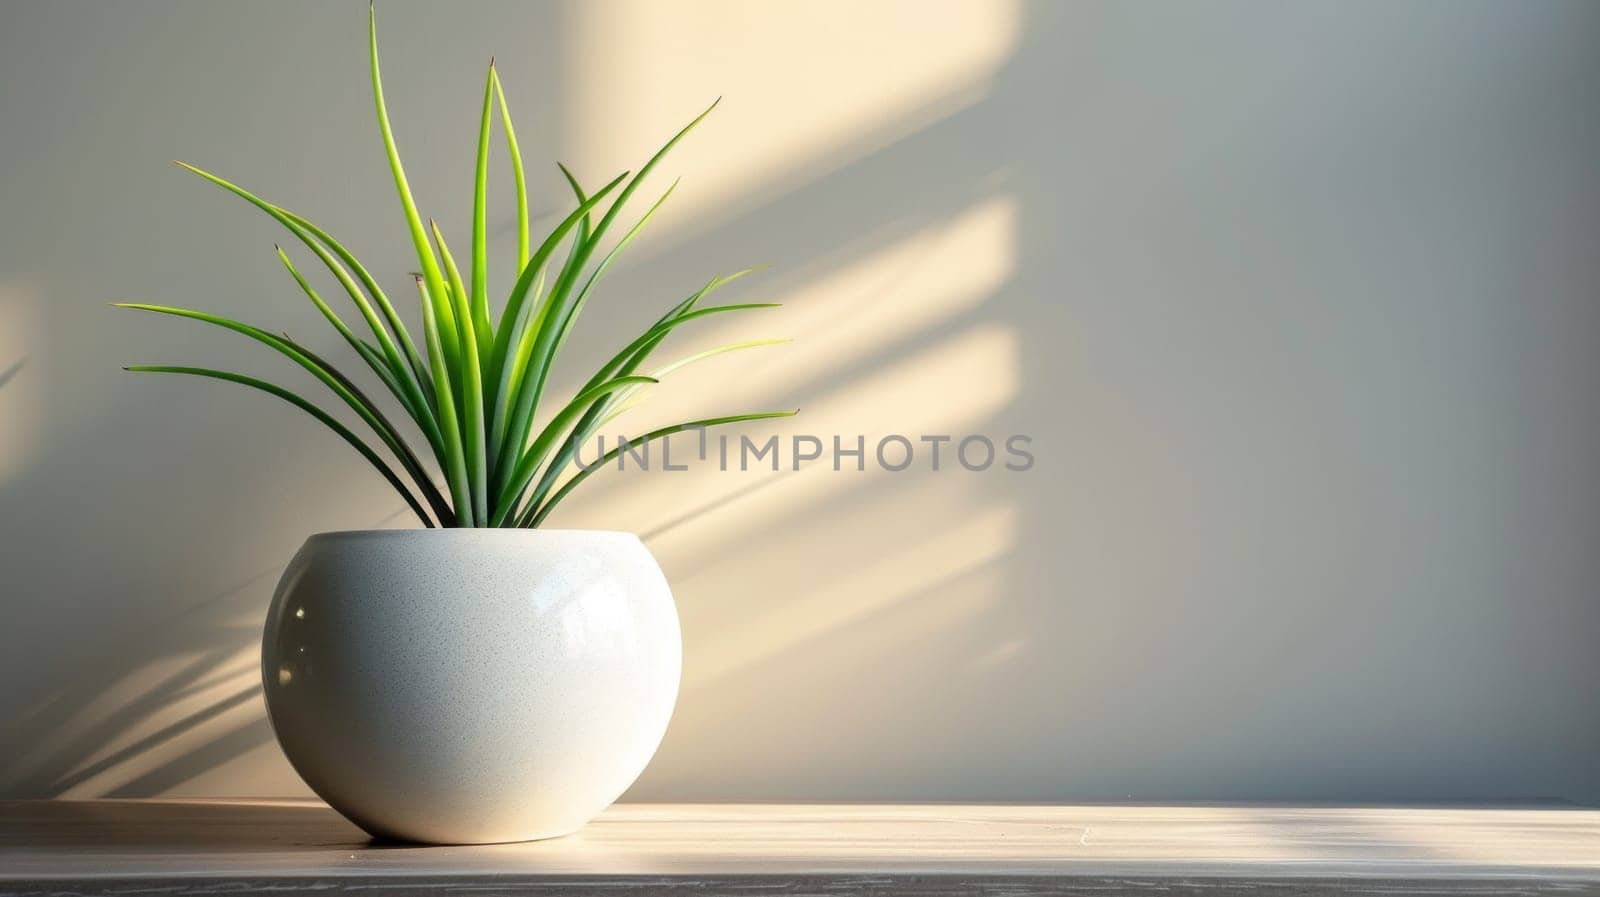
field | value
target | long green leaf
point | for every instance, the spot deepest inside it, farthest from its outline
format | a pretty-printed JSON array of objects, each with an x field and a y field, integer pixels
[
  {"x": 505, "y": 368},
  {"x": 594, "y": 276},
  {"x": 555, "y": 306},
  {"x": 625, "y": 362},
  {"x": 439, "y": 311},
  {"x": 505, "y": 374},
  {"x": 479, "y": 316},
  {"x": 307, "y": 234},
  {"x": 455, "y": 463},
  {"x": 612, "y": 406},
  {"x": 622, "y": 198},
  {"x": 337, "y": 383},
  {"x": 580, "y": 250},
  {"x": 635, "y": 353},
  {"x": 661, "y": 373},
  {"x": 516, "y": 171},
  {"x": 371, "y": 285},
  {"x": 536, "y": 356},
  {"x": 654, "y": 334},
  {"x": 327, "y": 420},
  {"x": 514, "y": 316},
  {"x": 525, "y": 346},
  {"x": 558, "y": 318},
  {"x": 470, "y": 376},
  {"x": 367, "y": 413},
  {"x": 533, "y": 517},
  {"x": 687, "y": 360},
  {"x": 509, "y": 497},
  {"x": 327, "y": 312},
  {"x": 367, "y": 353},
  {"x": 562, "y": 316},
  {"x": 408, "y": 459}
]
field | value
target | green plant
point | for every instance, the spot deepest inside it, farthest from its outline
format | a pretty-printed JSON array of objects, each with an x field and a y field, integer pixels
[{"x": 475, "y": 385}]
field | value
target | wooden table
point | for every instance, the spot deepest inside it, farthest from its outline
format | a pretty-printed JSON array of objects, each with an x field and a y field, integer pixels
[{"x": 251, "y": 847}]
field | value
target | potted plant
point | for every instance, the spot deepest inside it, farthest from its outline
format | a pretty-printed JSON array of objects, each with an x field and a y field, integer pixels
[{"x": 480, "y": 679}]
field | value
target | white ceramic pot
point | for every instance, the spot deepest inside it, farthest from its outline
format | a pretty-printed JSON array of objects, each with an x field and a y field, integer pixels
[{"x": 470, "y": 686}]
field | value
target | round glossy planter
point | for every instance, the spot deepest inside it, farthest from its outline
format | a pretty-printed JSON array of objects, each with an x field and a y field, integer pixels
[{"x": 471, "y": 686}]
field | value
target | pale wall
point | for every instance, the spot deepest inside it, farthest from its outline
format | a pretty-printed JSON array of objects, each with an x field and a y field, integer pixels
[{"x": 1300, "y": 303}]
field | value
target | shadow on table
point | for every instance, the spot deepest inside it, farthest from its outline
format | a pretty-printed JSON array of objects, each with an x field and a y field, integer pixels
[{"x": 187, "y": 826}]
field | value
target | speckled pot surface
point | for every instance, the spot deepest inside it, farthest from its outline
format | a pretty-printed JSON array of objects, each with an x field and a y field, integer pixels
[{"x": 467, "y": 686}]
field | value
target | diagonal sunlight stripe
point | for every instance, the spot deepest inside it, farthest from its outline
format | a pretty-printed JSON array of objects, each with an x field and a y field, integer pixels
[{"x": 856, "y": 593}]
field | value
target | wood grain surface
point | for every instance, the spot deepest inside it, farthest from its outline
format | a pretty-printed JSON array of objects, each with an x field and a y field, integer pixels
[{"x": 105, "y": 847}]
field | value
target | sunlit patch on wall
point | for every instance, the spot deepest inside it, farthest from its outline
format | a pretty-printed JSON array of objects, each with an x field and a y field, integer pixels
[
  {"x": 664, "y": 61},
  {"x": 936, "y": 274}
]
